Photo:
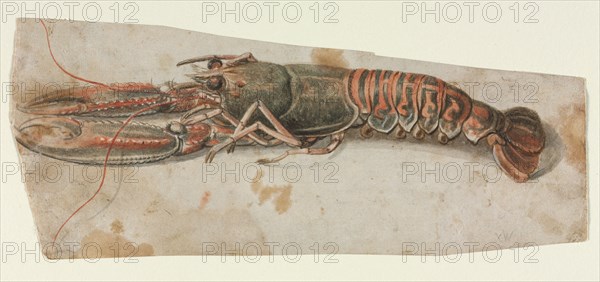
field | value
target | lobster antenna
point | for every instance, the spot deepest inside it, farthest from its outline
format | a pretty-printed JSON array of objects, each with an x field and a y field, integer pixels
[
  {"x": 63, "y": 69},
  {"x": 205, "y": 58},
  {"x": 118, "y": 132},
  {"x": 105, "y": 164}
]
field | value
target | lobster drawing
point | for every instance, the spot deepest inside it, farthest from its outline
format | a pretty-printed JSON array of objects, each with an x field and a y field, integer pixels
[{"x": 238, "y": 100}]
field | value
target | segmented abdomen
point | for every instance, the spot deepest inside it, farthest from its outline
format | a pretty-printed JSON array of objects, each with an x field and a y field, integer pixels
[{"x": 386, "y": 99}]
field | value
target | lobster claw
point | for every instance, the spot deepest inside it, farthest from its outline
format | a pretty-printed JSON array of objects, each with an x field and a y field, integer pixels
[
  {"x": 87, "y": 141},
  {"x": 118, "y": 100},
  {"x": 98, "y": 100}
]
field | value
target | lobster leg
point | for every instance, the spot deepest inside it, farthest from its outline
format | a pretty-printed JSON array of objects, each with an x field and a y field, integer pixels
[
  {"x": 242, "y": 131},
  {"x": 258, "y": 139},
  {"x": 193, "y": 115},
  {"x": 197, "y": 115},
  {"x": 284, "y": 134},
  {"x": 336, "y": 140},
  {"x": 267, "y": 113}
]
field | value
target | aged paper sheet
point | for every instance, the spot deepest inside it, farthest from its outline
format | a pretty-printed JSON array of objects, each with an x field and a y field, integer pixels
[{"x": 371, "y": 196}]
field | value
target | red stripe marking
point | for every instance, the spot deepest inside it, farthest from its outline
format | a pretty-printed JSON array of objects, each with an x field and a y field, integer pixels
[
  {"x": 354, "y": 86},
  {"x": 128, "y": 143},
  {"x": 404, "y": 101},
  {"x": 390, "y": 95},
  {"x": 370, "y": 82},
  {"x": 121, "y": 104},
  {"x": 395, "y": 88},
  {"x": 441, "y": 95},
  {"x": 381, "y": 99},
  {"x": 426, "y": 90},
  {"x": 454, "y": 107},
  {"x": 417, "y": 96}
]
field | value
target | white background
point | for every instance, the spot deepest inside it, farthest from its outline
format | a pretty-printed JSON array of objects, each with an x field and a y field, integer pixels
[{"x": 564, "y": 41}]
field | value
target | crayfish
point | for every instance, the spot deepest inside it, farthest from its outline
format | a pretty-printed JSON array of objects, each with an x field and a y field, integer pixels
[{"x": 239, "y": 100}]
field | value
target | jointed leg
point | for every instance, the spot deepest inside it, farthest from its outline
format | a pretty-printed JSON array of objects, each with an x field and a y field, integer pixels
[
  {"x": 247, "y": 131},
  {"x": 270, "y": 117},
  {"x": 336, "y": 140},
  {"x": 194, "y": 116},
  {"x": 279, "y": 133},
  {"x": 260, "y": 140}
]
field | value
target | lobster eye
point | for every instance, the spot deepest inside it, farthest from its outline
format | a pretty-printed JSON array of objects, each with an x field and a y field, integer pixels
[
  {"x": 215, "y": 82},
  {"x": 214, "y": 64},
  {"x": 176, "y": 128}
]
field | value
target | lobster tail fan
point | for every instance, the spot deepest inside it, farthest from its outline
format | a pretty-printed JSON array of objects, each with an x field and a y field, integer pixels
[{"x": 522, "y": 141}]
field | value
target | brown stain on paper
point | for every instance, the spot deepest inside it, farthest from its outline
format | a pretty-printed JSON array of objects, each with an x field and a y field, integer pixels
[
  {"x": 116, "y": 227},
  {"x": 166, "y": 61},
  {"x": 572, "y": 130},
  {"x": 204, "y": 200},
  {"x": 548, "y": 224},
  {"x": 100, "y": 244},
  {"x": 152, "y": 208},
  {"x": 278, "y": 194},
  {"x": 229, "y": 231},
  {"x": 329, "y": 57},
  {"x": 578, "y": 231}
]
